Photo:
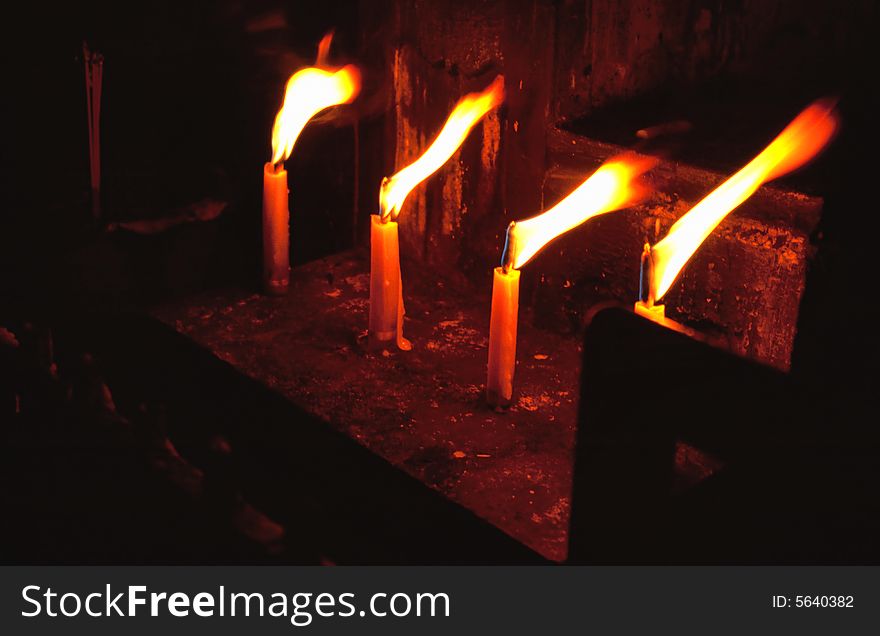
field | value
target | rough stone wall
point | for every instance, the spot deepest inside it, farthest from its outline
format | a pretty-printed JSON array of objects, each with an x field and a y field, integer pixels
[
  {"x": 744, "y": 286},
  {"x": 440, "y": 52},
  {"x": 610, "y": 50}
]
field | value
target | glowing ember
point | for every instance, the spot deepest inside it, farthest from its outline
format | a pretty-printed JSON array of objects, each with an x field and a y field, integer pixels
[
  {"x": 309, "y": 91},
  {"x": 801, "y": 140},
  {"x": 470, "y": 110},
  {"x": 612, "y": 187}
]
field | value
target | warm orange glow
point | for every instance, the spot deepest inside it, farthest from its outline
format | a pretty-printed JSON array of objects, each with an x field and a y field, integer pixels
[
  {"x": 470, "y": 110},
  {"x": 612, "y": 187},
  {"x": 801, "y": 140},
  {"x": 308, "y": 92}
]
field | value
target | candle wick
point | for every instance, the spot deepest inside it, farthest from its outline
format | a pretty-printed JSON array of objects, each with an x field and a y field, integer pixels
[
  {"x": 646, "y": 275},
  {"x": 507, "y": 254},
  {"x": 384, "y": 215}
]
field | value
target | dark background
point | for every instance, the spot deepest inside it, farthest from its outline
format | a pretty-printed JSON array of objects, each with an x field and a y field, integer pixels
[{"x": 190, "y": 91}]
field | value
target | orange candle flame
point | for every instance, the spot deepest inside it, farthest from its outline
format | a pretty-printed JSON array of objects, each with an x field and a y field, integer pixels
[
  {"x": 612, "y": 187},
  {"x": 802, "y": 139},
  {"x": 309, "y": 91},
  {"x": 470, "y": 110}
]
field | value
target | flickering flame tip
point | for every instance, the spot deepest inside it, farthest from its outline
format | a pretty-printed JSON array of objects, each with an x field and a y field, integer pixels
[
  {"x": 467, "y": 112},
  {"x": 307, "y": 93},
  {"x": 613, "y": 186},
  {"x": 801, "y": 141}
]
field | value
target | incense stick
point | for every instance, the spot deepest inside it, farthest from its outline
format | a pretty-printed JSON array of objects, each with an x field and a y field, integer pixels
[
  {"x": 94, "y": 71},
  {"x": 356, "y": 189}
]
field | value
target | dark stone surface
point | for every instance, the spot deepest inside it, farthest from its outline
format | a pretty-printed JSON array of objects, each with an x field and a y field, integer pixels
[{"x": 424, "y": 410}]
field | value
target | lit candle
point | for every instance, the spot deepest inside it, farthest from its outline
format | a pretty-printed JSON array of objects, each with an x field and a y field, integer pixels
[
  {"x": 646, "y": 306},
  {"x": 386, "y": 286},
  {"x": 612, "y": 187},
  {"x": 276, "y": 230},
  {"x": 386, "y": 291},
  {"x": 308, "y": 92},
  {"x": 798, "y": 143},
  {"x": 502, "y": 337}
]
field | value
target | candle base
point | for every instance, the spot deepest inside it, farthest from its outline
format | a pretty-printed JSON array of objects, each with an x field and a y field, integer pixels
[
  {"x": 497, "y": 402},
  {"x": 276, "y": 287},
  {"x": 657, "y": 313},
  {"x": 382, "y": 340}
]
